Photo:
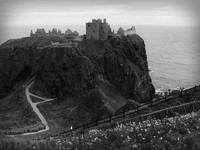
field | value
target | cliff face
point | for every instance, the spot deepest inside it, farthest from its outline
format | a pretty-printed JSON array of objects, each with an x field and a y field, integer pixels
[
  {"x": 102, "y": 74},
  {"x": 16, "y": 57},
  {"x": 121, "y": 64}
]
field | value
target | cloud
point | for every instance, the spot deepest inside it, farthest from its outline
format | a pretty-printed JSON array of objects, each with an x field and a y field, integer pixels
[{"x": 157, "y": 12}]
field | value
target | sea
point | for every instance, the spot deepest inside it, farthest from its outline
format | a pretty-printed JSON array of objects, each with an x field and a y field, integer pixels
[{"x": 173, "y": 52}]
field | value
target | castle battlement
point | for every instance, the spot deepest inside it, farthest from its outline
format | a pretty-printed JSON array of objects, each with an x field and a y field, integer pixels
[{"x": 97, "y": 29}]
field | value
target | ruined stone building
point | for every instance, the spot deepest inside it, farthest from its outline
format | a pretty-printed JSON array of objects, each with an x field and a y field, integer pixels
[
  {"x": 71, "y": 35},
  {"x": 54, "y": 33},
  {"x": 122, "y": 32},
  {"x": 39, "y": 33},
  {"x": 130, "y": 31},
  {"x": 98, "y": 30}
]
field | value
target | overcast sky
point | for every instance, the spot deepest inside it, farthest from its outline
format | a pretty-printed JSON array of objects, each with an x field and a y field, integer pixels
[{"x": 137, "y": 12}]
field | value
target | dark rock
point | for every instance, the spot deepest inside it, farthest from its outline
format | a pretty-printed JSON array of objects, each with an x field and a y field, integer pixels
[{"x": 99, "y": 73}]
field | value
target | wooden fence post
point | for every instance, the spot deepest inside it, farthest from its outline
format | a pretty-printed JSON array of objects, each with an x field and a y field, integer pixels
[
  {"x": 83, "y": 130},
  {"x": 193, "y": 107},
  {"x": 96, "y": 122},
  {"x": 167, "y": 112},
  {"x": 110, "y": 118},
  {"x": 190, "y": 109},
  {"x": 184, "y": 108},
  {"x": 137, "y": 109},
  {"x": 124, "y": 114},
  {"x": 197, "y": 106}
]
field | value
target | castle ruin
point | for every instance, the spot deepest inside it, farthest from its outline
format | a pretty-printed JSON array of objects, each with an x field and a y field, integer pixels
[
  {"x": 54, "y": 32},
  {"x": 121, "y": 32},
  {"x": 98, "y": 30}
]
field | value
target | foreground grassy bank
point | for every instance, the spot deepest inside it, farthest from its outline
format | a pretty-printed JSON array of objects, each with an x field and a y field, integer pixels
[
  {"x": 173, "y": 127},
  {"x": 180, "y": 132}
]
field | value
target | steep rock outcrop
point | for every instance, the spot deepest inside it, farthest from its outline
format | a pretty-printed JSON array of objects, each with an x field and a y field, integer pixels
[
  {"x": 121, "y": 63},
  {"x": 103, "y": 75}
]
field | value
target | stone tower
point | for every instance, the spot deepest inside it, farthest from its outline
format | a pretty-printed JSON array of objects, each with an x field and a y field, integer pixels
[{"x": 97, "y": 29}]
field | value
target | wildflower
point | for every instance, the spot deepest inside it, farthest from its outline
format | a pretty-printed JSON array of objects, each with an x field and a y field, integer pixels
[
  {"x": 149, "y": 124},
  {"x": 134, "y": 146},
  {"x": 128, "y": 137}
]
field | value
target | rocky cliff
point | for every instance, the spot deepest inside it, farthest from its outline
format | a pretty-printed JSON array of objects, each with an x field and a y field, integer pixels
[{"x": 103, "y": 75}]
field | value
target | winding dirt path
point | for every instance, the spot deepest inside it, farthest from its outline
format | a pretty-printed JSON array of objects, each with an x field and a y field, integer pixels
[{"x": 36, "y": 110}]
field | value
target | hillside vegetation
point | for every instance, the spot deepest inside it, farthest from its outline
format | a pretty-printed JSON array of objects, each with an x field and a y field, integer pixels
[
  {"x": 181, "y": 132},
  {"x": 16, "y": 114}
]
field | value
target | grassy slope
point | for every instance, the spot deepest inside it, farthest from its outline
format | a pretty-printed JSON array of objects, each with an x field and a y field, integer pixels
[
  {"x": 73, "y": 111},
  {"x": 57, "y": 113},
  {"x": 111, "y": 97},
  {"x": 186, "y": 129},
  {"x": 174, "y": 133},
  {"x": 16, "y": 114},
  {"x": 60, "y": 116}
]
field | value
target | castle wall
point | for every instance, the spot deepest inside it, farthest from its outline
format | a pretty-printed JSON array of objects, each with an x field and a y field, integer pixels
[
  {"x": 129, "y": 32},
  {"x": 92, "y": 31},
  {"x": 104, "y": 28},
  {"x": 97, "y": 29}
]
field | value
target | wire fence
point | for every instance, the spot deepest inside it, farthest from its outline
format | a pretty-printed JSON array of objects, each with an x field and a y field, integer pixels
[
  {"x": 86, "y": 140},
  {"x": 141, "y": 112},
  {"x": 172, "y": 111}
]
